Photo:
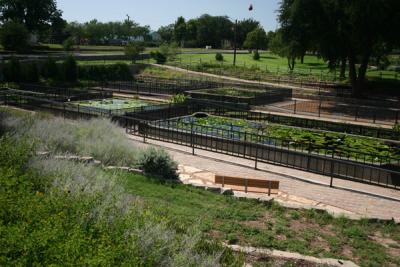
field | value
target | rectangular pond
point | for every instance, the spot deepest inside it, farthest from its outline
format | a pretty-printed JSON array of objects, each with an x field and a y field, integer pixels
[
  {"x": 344, "y": 146},
  {"x": 115, "y": 106}
]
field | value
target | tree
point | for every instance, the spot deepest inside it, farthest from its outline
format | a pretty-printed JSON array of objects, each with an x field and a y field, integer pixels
[
  {"x": 68, "y": 44},
  {"x": 70, "y": 69},
  {"x": 35, "y": 15},
  {"x": 166, "y": 33},
  {"x": 341, "y": 30},
  {"x": 257, "y": 39},
  {"x": 14, "y": 36},
  {"x": 180, "y": 31},
  {"x": 244, "y": 27},
  {"x": 133, "y": 50}
]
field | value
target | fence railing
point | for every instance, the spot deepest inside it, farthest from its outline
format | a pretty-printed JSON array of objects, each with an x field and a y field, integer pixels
[
  {"x": 337, "y": 110},
  {"x": 259, "y": 152},
  {"x": 232, "y": 143}
]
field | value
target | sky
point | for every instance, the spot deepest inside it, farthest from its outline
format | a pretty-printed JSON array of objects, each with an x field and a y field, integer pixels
[{"x": 156, "y": 13}]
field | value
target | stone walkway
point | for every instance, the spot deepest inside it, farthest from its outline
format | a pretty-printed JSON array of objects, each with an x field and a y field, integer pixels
[{"x": 297, "y": 188}]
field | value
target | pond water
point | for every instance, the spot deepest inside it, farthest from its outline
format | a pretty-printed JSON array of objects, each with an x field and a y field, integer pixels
[{"x": 116, "y": 103}]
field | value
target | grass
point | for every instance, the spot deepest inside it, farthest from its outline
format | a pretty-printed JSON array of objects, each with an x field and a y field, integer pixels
[
  {"x": 269, "y": 64},
  {"x": 345, "y": 146},
  {"x": 249, "y": 222},
  {"x": 51, "y": 220}
]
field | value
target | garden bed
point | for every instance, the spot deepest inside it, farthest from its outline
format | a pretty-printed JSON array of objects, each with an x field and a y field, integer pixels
[
  {"x": 115, "y": 105},
  {"x": 324, "y": 143},
  {"x": 239, "y": 95}
]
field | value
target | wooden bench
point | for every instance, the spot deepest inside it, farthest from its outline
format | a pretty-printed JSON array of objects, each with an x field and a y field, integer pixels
[{"x": 248, "y": 185}]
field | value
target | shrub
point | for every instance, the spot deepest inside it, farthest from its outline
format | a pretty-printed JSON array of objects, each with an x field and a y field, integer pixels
[
  {"x": 30, "y": 73},
  {"x": 133, "y": 50},
  {"x": 256, "y": 55},
  {"x": 68, "y": 44},
  {"x": 158, "y": 162},
  {"x": 219, "y": 57},
  {"x": 70, "y": 69},
  {"x": 12, "y": 70},
  {"x": 14, "y": 37},
  {"x": 50, "y": 69},
  {"x": 178, "y": 99},
  {"x": 98, "y": 138},
  {"x": 159, "y": 57},
  {"x": 114, "y": 72}
]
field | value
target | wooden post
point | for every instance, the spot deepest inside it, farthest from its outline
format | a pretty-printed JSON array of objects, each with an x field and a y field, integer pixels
[
  {"x": 245, "y": 185},
  {"x": 269, "y": 187}
]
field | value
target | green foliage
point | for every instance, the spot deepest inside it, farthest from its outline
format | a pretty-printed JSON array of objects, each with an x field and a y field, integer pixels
[
  {"x": 70, "y": 69},
  {"x": 257, "y": 39},
  {"x": 159, "y": 57},
  {"x": 50, "y": 69},
  {"x": 256, "y": 55},
  {"x": 63, "y": 213},
  {"x": 219, "y": 57},
  {"x": 178, "y": 99},
  {"x": 112, "y": 72},
  {"x": 170, "y": 51},
  {"x": 159, "y": 163},
  {"x": 68, "y": 44},
  {"x": 31, "y": 73},
  {"x": 14, "y": 37},
  {"x": 396, "y": 128},
  {"x": 12, "y": 70},
  {"x": 133, "y": 50}
]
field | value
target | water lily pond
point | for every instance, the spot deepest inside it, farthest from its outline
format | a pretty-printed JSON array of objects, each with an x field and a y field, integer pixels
[
  {"x": 116, "y": 103},
  {"x": 342, "y": 145}
]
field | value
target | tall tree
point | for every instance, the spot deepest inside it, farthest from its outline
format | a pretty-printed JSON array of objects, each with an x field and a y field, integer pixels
[
  {"x": 342, "y": 30},
  {"x": 180, "y": 31},
  {"x": 35, "y": 15},
  {"x": 244, "y": 27},
  {"x": 256, "y": 39},
  {"x": 166, "y": 33}
]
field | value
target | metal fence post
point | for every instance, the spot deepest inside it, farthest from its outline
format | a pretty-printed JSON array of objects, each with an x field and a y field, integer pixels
[
  {"x": 332, "y": 166},
  {"x": 192, "y": 137},
  {"x": 144, "y": 131},
  {"x": 295, "y": 106}
]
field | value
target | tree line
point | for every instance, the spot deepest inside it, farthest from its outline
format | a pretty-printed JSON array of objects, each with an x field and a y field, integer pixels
[{"x": 345, "y": 33}]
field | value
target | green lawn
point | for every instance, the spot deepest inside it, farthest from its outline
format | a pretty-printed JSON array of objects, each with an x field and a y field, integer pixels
[
  {"x": 271, "y": 63},
  {"x": 249, "y": 222}
]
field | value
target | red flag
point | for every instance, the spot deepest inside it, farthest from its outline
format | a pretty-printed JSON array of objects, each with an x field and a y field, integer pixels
[{"x": 251, "y": 8}]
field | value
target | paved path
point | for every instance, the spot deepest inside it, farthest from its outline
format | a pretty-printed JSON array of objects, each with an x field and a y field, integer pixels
[{"x": 294, "y": 183}]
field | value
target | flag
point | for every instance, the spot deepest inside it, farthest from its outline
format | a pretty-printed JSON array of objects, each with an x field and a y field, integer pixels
[{"x": 251, "y": 8}]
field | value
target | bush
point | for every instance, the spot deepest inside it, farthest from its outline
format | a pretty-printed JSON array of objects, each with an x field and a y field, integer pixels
[
  {"x": 12, "y": 71},
  {"x": 159, "y": 57},
  {"x": 63, "y": 213},
  {"x": 219, "y": 57},
  {"x": 50, "y": 69},
  {"x": 70, "y": 69},
  {"x": 133, "y": 50},
  {"x": 256, "y": 55},
  {"x": 158, "y": 162},
  {"x": 14, "y": 37},
  {"x": 98, "y": 138},
  {"x": 68, "y": 44},
  {"x": 30, "y": 73},
  {"x": 178, "y": 99},
  {"x": 114, "y": 72}
]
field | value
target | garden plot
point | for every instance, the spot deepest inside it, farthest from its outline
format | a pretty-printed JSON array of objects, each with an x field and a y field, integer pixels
[
  {"x": 299, "y": 139},
  {"x": 240, "y": 95},
  {"x": 115, "y": 105}
]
